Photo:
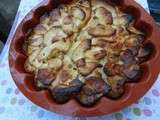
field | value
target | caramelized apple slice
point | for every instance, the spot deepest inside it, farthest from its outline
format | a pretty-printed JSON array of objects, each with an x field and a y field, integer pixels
[
  {"x": 116, "y": 83},
  {"x": 95, "y": 53},
  {"x": 99, "y": 42},
  {"x": 127, "y": 57},
  {"x": 132, "y": 72},
  {"x": 101, "y": 31},
  {"x": 80, "y": 13},
  {"x": 111, "y": 69},
  {"x": 102, "y": 41},
  {"x": 104, "y": 16},
  {"x": 92, "y": 91},
  {"x": 134, "y": 40},
  {"x": 68, "y": 25},
  {"x": 62, "y": 94},
  {"x": 87, "y": 68},
  {"x": 45, "y": 76}
]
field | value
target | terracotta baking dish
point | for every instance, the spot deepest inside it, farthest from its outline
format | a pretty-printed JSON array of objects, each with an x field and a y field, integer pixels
[{"x": 133, "y": 91}]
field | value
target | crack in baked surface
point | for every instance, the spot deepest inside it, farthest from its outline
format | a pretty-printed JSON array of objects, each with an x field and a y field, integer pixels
[{"x": 86, "y": 49}]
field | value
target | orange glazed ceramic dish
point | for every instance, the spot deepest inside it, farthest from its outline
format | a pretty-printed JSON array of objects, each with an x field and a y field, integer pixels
[{"x": 85, "y": 57}]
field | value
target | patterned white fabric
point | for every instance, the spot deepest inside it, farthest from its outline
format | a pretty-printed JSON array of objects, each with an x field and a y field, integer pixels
[{"x": 15, "y": 106}]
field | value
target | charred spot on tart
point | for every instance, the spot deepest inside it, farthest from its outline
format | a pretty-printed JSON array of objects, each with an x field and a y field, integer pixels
[
  {"x": 45, "y": 76},
  {"x": 62, "y": 94}
]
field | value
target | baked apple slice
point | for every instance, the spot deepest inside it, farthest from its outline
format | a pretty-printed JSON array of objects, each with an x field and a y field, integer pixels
[
  {"x": 101, "y": 31},
  {"x": 104, "y": 16}
]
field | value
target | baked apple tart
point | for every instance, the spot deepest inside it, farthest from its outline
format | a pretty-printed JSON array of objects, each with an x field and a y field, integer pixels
[{"x": 85, "y": 50}]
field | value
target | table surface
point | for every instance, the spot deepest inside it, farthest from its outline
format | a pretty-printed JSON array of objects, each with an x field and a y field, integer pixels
[{"x": 15, "y": 106}]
